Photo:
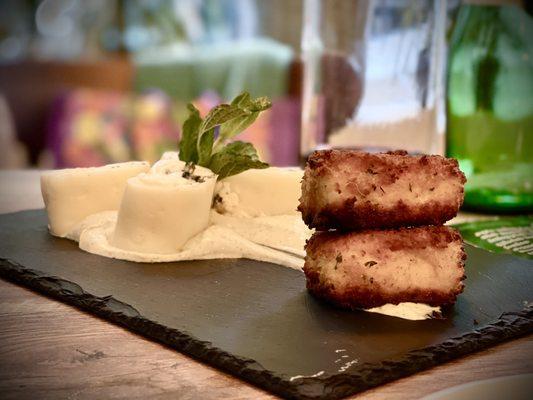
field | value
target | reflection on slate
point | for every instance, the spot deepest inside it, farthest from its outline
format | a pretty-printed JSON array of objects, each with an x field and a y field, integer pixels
[{"x": 256, "y": 320}]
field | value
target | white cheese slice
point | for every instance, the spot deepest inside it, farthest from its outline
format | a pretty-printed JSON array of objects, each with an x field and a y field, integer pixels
[
  {"x": 162, "y": 210},
  {"x": 72, "y": 194},
  {"x": 260, "y": 192}
]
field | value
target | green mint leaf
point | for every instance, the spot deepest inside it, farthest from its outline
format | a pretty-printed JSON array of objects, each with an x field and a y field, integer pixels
[
  {"x": 197, "y": 143},
  {"x": 221, "y": 114},
  {"x": 260, "y": 104},
  {"x": 233, "y": 128},
  {"x": 244, "y": 101},
  {"x": 189, "y": 136},
  {"x": 241, "y": 100},
  {"x": 205, "y": 147},
  {"x": 235, "y": 158}
]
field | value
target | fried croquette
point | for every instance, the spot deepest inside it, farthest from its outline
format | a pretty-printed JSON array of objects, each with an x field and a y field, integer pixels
[
  {"x": 371, "y": 268},
  {"x": 350, "y": 190}
]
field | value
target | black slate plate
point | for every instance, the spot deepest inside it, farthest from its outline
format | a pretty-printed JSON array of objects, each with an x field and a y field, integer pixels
[{"x": 255, "y": 320}]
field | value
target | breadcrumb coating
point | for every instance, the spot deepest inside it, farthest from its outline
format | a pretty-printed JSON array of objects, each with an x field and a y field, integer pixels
[
  {"x": 349, "y": 190},
  {"x": 371, "y": 268}
]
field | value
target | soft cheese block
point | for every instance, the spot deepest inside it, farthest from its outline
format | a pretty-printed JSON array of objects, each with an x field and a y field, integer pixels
[
  {"x": 163, "y": 209},
  {"x": 260, "y": 192},
  {"x": 70, "y": 195}
]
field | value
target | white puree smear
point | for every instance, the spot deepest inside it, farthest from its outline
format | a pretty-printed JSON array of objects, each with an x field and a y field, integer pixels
[
  {"x": 249, "y": 239},
  {"x": 412, "y": 311},
  {"x": 236, "y": 228}
]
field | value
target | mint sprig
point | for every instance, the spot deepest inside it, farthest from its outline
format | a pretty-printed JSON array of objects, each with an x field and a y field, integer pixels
[{"x": 198, "y": 144}]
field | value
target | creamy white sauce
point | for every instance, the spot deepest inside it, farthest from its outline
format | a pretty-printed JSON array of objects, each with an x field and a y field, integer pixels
[
  {"x": 253, "y": 238},
  {"x": 412, "y": 311},
  {"x": 283, "y": 232}
]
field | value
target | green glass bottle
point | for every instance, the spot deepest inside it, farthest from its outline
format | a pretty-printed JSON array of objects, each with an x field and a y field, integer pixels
[{"x": 490, "y": 106}]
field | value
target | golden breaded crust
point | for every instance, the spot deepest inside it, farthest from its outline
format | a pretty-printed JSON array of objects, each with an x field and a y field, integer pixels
[
  {"x": 346, "y": 189},
  {"x": 371, "y": 268}
]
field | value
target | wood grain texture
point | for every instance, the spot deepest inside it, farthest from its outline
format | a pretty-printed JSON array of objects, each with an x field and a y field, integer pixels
[
  {"x": 57, "y": 351},
  {"x": 50, "y": 348}
]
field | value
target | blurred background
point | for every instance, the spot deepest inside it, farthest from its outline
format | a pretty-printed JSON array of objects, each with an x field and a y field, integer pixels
[{"x": 86, "y": 83}]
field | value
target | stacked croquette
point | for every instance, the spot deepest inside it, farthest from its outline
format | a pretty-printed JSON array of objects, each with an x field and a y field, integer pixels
[{"x": 379, "y": 228}]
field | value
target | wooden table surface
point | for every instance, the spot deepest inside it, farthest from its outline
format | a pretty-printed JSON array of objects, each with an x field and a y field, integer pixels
[{"x": 59, "y": 352}]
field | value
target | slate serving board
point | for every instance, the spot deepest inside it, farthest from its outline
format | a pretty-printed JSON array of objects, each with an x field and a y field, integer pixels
[{"x": 256, "y": 321}]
